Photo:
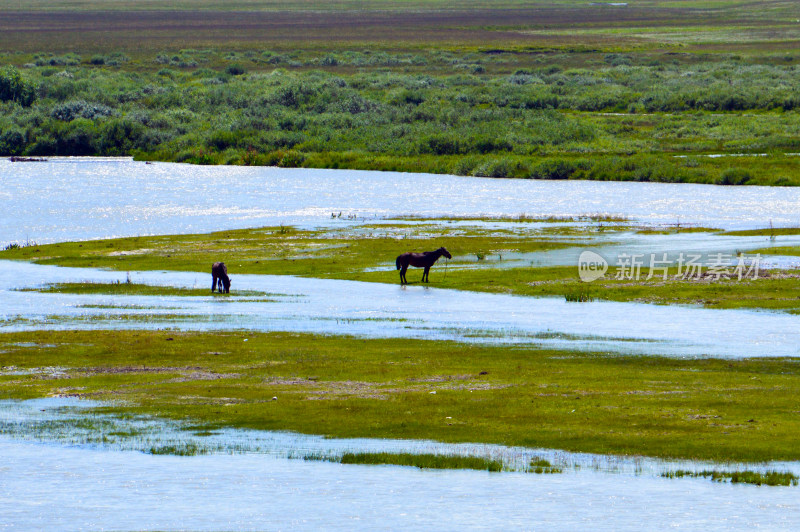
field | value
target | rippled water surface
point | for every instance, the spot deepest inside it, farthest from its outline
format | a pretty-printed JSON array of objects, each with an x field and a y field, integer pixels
[
  {"x": 84, "y": 198},
  {"x": 85, "y": 487},
  {"x": 47, "y": 487}
]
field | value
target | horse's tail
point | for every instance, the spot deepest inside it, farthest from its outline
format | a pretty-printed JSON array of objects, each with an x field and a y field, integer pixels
[{"x": 397, "y": 262}]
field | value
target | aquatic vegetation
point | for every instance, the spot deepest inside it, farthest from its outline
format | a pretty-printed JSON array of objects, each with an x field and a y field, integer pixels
[
  {"x": 522, "y": 217},
  {"x": 766, "y": 478},
  {"x": 188, "y": 449},
  {"x": 579, "y": 296},
  {"x": 423, "y": 461},
  {"x": 18, "y": 245},
  {"x": 541, "y": 466},
  {"x": 767, "y": 231}
]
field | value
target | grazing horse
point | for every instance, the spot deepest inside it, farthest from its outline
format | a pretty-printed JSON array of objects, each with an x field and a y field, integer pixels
[
  {"x": 219, "y": 277},
  {"x": 420, "y": 260}
]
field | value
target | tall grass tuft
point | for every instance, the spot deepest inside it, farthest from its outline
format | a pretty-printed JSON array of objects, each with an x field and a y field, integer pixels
[
  {"x": 540, "y": 466},
  {"x": 424, "y": 461},
  {"x": 578, "y": 296},
  {"x": 187, "y": 449}
]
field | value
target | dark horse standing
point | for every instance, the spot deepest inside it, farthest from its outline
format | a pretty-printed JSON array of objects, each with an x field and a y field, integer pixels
[
  {"x": 420, "y": 260},
  {"x": 219, "y": 277}
]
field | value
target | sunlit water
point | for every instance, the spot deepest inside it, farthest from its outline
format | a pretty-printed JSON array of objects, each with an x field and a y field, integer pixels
[
  {"x": 84, "y": 198},
  {"x": 391, "y": 311},
  {"x": 52, "y": 482},
  {"x": 82, "y": 486}
]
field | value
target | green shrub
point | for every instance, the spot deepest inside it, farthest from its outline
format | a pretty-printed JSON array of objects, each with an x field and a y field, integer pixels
[
  {"x": 236, "y": 70},
  {"x": 66, "y": 60},
  {"x": 440, "y": 145},
  {"x": 78, "y": 137},
  {"x": 13, "y": 88},
  {"x": 617, "y": 60},
  {"x": 120, "y": 136},
  {"x": 80, "y": 109},
  {"x": 734, "y": 176},
  {"x": 12, "y": 142},
  {"x": 292, "y": 159},
  {"x": 222, "y": 140},
  {"x": 495, "y": 168},
  {"x": 554, "y": 169}
]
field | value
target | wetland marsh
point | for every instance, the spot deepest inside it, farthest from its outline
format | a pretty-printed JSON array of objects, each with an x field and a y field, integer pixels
[
  {"x": 426, "y": 363},
  {"x": 323, "y": 142}
]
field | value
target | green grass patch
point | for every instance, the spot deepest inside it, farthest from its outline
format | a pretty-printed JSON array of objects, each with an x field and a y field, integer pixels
[
  {"x": 792, "y": 251},
  {"x": 132, "y": 289},
  {"x": 423, "y": 461},
  {"x": 767, "y": 231},
  {"x": 741, "y": 410},
  {"x": 768, "y": 478},
  {"x": 339, "y": 253},
  {"x": 188, "y": 449}
]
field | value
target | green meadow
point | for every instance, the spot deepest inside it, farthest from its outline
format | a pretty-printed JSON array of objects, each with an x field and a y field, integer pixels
[{"x": 743, "y": 410}]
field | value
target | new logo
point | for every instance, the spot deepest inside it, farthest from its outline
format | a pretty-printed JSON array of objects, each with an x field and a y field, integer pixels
[{"x": 591, "y": 266}]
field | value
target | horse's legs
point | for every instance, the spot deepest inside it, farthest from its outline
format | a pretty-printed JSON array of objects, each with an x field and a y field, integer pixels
[
  {"x": 403, "y": 275},
  {"x": 213, "y": 283},
  {"x": 425, "y": 274}
]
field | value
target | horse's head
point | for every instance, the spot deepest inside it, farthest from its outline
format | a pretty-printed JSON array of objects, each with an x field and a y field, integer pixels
[
  {"x": 445, "y": 252},
  {"x": 226, "y": 282}
]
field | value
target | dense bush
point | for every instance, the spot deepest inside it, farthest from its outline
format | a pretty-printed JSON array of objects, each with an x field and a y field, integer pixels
[
  {"x": 617, "y": 117},
  {"x": 80, "y": 109},
  {"x": 734, "y": 176},
  {"x": 11, "y": 142},
  {"x": 554, "y": 169},
  {"x": 13, "y": 88}
]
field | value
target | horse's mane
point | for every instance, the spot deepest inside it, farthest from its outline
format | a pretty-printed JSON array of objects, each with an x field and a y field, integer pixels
[{"x": 432, "y": 252}]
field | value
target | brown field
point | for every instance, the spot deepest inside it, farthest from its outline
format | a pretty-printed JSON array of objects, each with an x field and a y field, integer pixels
[{"x": 104, "y": 29}]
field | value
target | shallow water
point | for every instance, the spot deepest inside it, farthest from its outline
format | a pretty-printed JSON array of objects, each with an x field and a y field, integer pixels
[
  {"x": 53, "y": 486},
  {"x": 612, "y": 245},
  {"x": 84, "y": 198},
  {"x": 48, "y": 487},
  {"x": 72, "y": 421},
  {"x": 391, "y": 311}
]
